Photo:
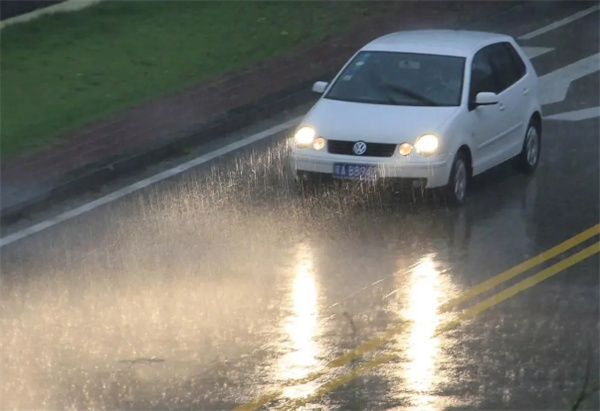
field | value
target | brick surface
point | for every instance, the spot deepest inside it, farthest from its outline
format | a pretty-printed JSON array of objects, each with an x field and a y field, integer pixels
[{"x": 163, "y": 118}]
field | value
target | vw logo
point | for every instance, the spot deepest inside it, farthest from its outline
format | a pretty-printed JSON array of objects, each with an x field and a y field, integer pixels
[{"x": 359, "y": 148}]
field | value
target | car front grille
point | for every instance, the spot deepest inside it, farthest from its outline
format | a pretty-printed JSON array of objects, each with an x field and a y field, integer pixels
[{"x": 373, "y": 149}]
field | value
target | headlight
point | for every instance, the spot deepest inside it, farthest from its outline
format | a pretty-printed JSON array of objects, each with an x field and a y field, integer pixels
[
  {"x": 304, "y": 136},
  {"x": 427, "y": 144},
  {"x": 318, "y": 143},
  {"x": 405, "y": 149}
]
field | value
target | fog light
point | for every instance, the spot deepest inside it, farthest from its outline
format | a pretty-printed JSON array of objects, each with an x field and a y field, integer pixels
[
  {"x": 319, "y": 143},
  {"x": 420, "y": 183},
  {"x": 405, "y": 149}
]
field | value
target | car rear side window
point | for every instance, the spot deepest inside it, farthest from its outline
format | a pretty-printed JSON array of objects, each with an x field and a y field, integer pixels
[
  {"x": 517, "y": 60},
  {"x": 506, "y": 70},
  {"x": 482, "y": 76}
]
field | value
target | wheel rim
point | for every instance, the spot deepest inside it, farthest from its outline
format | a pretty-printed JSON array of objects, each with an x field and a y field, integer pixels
[
  {"x": 532, "y": 148},
  {"x": 460, "y": 180}
]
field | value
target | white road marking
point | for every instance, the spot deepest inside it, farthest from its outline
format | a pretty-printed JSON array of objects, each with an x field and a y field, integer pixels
[
  {"x": 577, "y": 115},
  {"x": 555, "y": 85},
  {"x": 533, "y": 52},
  {"x": 560, "y": 23},
  {"x": 147, "y": 182},
  {"x": 64, "y": 7}
]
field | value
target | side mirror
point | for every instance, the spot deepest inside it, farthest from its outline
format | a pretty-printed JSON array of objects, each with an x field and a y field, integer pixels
[
  {"x": 319, "y": 87},
  {"x": 486, "y": 98}
]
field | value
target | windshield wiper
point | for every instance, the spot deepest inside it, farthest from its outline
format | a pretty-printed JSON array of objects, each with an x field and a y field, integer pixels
[{"x": 410, "y": 93}]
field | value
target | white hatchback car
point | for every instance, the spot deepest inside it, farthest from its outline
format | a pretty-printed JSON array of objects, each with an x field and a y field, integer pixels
[{"x": 433, "y": 106}]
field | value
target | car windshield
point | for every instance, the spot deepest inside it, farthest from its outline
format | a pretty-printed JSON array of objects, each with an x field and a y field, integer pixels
[{"x": 407, "y": 79}]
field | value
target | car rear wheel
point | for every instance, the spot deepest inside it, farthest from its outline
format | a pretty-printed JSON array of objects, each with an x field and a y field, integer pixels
[
  {"x": 527, "y": 161},
  {"x": 458, "y": 183}
]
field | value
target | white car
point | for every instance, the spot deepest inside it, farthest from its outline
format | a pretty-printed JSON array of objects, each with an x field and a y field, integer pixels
[{"x": 433, "y": 106}]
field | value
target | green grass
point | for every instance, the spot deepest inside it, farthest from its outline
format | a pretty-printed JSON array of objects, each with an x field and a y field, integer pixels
[{"x": 62, "y": 71}]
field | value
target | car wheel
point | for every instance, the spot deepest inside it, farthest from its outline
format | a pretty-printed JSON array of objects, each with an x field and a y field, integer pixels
[
  {"x": 528, "y": 159},
  {"x": 456, "y": 191}
]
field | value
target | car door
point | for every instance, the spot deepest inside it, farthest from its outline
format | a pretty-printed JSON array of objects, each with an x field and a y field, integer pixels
[
  {"x": 486, "y": 122},
  {"x": 524, "y": 91},
  {"x": 512, "y": 94}
]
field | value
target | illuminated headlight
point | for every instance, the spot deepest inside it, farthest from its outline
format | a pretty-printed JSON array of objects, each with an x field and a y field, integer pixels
[
  {"x": 427, "y": 144},
  {"x": 305, "y": 136},
  {"x": 318, "y": 143},
  {"x": 405, "y": 149}
]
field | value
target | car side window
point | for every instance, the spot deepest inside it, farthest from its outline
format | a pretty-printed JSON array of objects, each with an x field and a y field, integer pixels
[
  {"x": 517, "y": 60},
  {"x": 505, "y": 70},
  {"x": 482, "y": 75}
]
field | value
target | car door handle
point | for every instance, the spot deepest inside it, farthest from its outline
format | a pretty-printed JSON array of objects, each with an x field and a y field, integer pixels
[
  {"x": 501, "y": 106},
  {"x": 525, "y": 91}
]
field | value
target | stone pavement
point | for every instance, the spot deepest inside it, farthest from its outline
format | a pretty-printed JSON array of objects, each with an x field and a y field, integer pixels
[{"x": 106, "y": 149}]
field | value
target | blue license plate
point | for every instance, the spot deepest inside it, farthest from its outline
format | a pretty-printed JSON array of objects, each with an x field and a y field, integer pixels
[{"x": 355, "y": 171}]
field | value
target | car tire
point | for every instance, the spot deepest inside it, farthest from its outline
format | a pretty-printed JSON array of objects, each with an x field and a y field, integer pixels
[
  {"x": 458, "y": 183},
  {"x": 529, "y": 157}
]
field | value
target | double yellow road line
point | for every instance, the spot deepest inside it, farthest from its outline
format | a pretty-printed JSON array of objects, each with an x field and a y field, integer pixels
[{"x": 466, "y": 314}]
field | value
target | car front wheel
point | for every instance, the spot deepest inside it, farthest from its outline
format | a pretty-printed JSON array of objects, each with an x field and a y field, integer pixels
[{"x": 456, "y": 191}]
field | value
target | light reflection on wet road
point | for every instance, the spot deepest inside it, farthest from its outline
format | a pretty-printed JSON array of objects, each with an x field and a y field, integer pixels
[
  {"x": 422, "y": 346},
  {"x": 302, "y": 323},
  {"x": 212, "y": 289}
]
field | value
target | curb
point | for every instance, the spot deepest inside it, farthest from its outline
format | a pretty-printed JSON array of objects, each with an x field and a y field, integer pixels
[{"x": 92, "y": 177}]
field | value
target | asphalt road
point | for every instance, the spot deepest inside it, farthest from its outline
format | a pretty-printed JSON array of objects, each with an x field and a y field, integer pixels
[{"x": 222, "y": 286}]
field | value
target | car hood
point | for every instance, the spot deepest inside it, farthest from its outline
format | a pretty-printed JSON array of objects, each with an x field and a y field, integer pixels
[{"x": 375, "y": 123}]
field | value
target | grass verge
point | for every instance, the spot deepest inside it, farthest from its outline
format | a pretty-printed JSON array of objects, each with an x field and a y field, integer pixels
[{"x": 62, "y": 71}]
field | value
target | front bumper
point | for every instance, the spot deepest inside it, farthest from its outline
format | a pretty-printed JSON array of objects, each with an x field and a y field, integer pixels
[{"x": 435, "y": 169}]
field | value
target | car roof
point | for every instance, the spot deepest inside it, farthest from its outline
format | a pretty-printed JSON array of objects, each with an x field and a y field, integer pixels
[{"x": 461, "y": 43}]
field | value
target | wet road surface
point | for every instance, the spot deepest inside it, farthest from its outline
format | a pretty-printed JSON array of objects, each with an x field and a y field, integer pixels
[{"x": 223, "y": 285}]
